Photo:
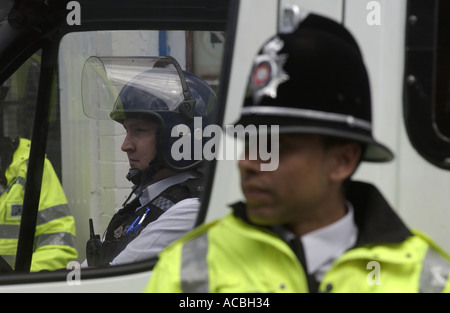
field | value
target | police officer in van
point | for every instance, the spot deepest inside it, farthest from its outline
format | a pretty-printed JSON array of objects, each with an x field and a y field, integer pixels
[
  {"x": 166, "y": 187},
  {"x": 306, "y": 226}
]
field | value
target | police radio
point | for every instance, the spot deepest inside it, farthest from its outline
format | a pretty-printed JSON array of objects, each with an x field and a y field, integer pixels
[{"x": 93, "y": 246}]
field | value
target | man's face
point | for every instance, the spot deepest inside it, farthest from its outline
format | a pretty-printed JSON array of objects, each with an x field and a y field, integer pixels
[
  {"x": 296, "y": 189},
  {"x": 140, "y": 142}
]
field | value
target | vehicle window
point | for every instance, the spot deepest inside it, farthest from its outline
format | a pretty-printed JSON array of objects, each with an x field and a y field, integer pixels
[
  {"x": 426, "y": 101},
  {"x": 18, "y": 96},
  {"x": 98, "y": 149},
  {"x": 442, "y": 104}
]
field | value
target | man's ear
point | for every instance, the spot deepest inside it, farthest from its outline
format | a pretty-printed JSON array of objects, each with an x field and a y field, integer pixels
[{"x": 345, "y": 158}]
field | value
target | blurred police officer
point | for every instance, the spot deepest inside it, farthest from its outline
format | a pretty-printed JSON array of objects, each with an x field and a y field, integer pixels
[
  {"x": 55, "y": 231},
  {"x": 306, "y": 227}
]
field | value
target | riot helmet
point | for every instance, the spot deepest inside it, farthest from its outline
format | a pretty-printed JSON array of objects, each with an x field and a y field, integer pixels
[
  {"x": 179, "y": 102},
  {"x": 313, "y": 79}
]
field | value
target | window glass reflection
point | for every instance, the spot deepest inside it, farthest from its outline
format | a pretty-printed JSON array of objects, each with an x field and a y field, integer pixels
[{"x": 130, "y": 161}]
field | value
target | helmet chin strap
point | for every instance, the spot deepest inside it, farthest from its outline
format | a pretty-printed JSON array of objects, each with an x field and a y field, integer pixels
[
  {"x": 141, "y": 178},
  {"x": 134, "y": 175},
  {"x": 147, "y": 175}
]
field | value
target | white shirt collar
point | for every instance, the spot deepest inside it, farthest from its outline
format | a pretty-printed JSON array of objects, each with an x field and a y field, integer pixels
[
  {"x": 155, "y": 189},
  {"x": 324, "y": 245}
]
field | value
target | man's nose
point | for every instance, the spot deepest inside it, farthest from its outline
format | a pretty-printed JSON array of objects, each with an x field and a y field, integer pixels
[
  {"x": 127, "y": 144},
  {"x": 249, "y": 165}
]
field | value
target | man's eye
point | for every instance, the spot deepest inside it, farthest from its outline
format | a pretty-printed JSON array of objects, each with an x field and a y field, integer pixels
[{"x": 141, "y": 130}]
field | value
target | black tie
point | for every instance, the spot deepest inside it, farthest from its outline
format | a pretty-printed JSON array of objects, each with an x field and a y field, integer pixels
[{"x": 297, "y": 246}]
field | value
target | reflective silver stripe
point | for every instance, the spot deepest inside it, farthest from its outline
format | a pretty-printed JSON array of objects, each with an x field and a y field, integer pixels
[
  {"x": 12, "y": 231},
  {"x": 9, "y": 231},
  {"x": 435, "y": 271},
  {"x": 311, "y": 114},
  {"x": 19, "y": 180},
  {"x": 60, "y": 239},
  {"x": 194, "y": 268},
  {"x": 52, "y": 213}
]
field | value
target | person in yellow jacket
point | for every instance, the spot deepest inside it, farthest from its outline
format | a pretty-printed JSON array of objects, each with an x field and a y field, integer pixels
[
  {"x": 306, "y": 226},
  {"x": 55, "y": 229}
]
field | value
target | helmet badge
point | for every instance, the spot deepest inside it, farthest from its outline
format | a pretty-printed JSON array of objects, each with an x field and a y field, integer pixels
[{"x": 267, "y": 72}]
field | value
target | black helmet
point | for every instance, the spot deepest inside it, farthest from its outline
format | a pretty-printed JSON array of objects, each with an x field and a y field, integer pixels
[
  {"x": 172, "y": 98},
  {"x": 313, "y": 80}
]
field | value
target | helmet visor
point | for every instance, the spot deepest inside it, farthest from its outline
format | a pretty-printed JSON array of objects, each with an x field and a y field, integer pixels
[{"x": 154, "y": 84}]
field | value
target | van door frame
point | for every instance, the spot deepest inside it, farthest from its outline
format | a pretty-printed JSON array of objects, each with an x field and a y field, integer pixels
[{"x": 52, "y": 26}]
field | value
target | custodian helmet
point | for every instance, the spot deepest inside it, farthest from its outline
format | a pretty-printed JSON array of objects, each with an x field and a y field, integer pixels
[{"x": 313, "y": 80}]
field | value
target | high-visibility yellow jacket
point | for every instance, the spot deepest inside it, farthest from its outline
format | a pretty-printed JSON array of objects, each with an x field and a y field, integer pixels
[
  {"x": 232, "y": 255},
  {"x": 54, "y": 244}
]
